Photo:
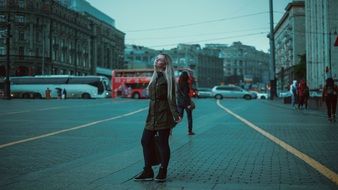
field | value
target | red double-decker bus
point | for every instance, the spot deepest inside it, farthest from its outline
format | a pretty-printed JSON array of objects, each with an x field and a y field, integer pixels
[{"x": 132, "y": 83}]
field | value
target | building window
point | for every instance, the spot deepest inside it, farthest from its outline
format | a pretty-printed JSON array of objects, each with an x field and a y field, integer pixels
[
  {"x": 2, "y": 3},
  {"x": 37, "y": 54},
  {"x": 21, "y": 52},
  {"x": 21, "y": 36},
  {"x": 20, "y": 18},
  {"x": 2, "y": 50},
  {"x": 3, "y": 33},
  {"x": 2, "y": 18},
  {"x": 62, "y": 56},
  {"x": 54, "y": 55},
  {"x": 37, "y": 36},
  {"x": 21, "y": 3}
]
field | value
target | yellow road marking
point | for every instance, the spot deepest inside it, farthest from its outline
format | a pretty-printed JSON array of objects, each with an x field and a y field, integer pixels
[
  {"x": 307, "y": 159},
  {"x": 70, "y": 129}
]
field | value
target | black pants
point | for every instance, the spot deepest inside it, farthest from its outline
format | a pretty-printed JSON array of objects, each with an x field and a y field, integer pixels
[
  {"x": 189, "y": 116},
  {"x": 302, "y": 101},
  {"x": 147, "y": 144},
  {"x": 331, "y": 105}
]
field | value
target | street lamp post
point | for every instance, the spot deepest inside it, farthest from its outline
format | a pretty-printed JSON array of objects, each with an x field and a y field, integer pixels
[
  {"x": 272, "y": 49},
  {"x": 8, "y": 68},
  {"x": 43, "y": 51}
]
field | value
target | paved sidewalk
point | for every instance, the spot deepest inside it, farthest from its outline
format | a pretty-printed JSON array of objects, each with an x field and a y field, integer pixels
[
  {"x": 232, "y": 156},
  {"x": 315, "y": 104}
]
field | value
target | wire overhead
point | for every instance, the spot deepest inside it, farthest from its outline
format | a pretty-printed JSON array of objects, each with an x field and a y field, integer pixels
[
  {"x": 198, "y": 23},
  {"x": 213, "y": 39}
]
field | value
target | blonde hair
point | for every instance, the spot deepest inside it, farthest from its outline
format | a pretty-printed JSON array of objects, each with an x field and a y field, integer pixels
[{"x": 168, "y": 74}]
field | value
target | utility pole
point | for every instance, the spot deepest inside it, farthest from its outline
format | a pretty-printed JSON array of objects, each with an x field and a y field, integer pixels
[
  {"x": 8, "y": 68},
  {"x": 273, "y": 84},
  {"x": 43, "y": 50}
]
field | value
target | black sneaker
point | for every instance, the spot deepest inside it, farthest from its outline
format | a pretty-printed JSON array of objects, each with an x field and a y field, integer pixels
[
  {"x": 330, "y": 119},
  {"x": 146, "y": 175},
  {"x": 162, "y": 175},
  {"x": 191, "y": 133}
]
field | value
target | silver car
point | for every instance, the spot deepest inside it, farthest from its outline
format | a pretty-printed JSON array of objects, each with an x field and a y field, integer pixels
[
  {"x": 220, "y": 92},
  {"x": 204, "y": 92}
]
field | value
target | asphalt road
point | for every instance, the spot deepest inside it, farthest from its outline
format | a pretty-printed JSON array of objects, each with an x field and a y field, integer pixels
[{"x": 95, "y": 144}]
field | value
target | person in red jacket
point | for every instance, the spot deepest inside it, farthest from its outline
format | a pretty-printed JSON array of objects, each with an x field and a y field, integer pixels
[
  {"x": 303, "y": 94},
  {"x": 330, "y": 92}
]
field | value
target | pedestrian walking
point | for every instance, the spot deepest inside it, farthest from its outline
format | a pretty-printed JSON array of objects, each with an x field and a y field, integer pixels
[
  {"x": 48, "y": 93},
  {"x": 293, "y": 91},
  {"x": 184, "y": 101},
  {"x": 162, "y": 117},
  {"x": 58, "y": 92},
  {"x": 64, "y": 94},
  {"x": 303, "y": 94},
  {"x": 330, "y": 92}
]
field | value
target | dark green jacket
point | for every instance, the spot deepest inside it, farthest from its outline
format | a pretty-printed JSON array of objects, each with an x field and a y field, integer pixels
[{"x": 162, "y": 112}]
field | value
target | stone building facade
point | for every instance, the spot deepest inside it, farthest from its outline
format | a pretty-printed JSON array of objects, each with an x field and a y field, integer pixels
[
  {"x": 206, "y": 65},
  {"x": 243, "y": 63},
  {"x": 289, "y": 43},
  {"x": 139, "y": 57},
  {"x": 321, "y": 34},
  {"x": 47, "y": 37}
]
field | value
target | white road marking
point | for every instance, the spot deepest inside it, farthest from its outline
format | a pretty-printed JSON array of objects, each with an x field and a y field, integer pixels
[
  {"x": 307, "y": 159},
  {"x": 56, "y": 108},
  {"x": 70, "y": 129}
]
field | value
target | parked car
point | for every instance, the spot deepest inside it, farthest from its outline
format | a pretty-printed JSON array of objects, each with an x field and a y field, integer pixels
[
  {"x": 261, "y": 95},
  {"x": 204, "y": 92},
  {"x": 284, "y": 94},
  {"x": 228, "y": 91}
]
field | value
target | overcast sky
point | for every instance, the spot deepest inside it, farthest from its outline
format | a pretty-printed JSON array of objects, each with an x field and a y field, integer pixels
[{"x": 162, "y": 24}]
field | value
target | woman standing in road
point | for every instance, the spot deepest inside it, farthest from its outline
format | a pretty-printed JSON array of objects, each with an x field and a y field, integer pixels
[
  {"x": 184, "y": 100},
  {"x": 162, "y": 117},
  {"x": 330, "y": 92}
]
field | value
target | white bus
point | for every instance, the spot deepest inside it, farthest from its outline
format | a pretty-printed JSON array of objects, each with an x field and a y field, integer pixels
[{"x": 76, "y": 86}]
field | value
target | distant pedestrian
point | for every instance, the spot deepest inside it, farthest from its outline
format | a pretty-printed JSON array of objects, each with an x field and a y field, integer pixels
[
  {"x": 330, "y": 92},
  {"x": 48, "y": 93},
  {"x": 303, "y": 94},
  {"x": 59, "y": 92},
  {"x": 293, "y": 91},
  {"x": 184, "y": 101},
  {"x": 124, "y": 90},
  {"x": 64, "y": 94},
  {"x": 162, "y": 117}
]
